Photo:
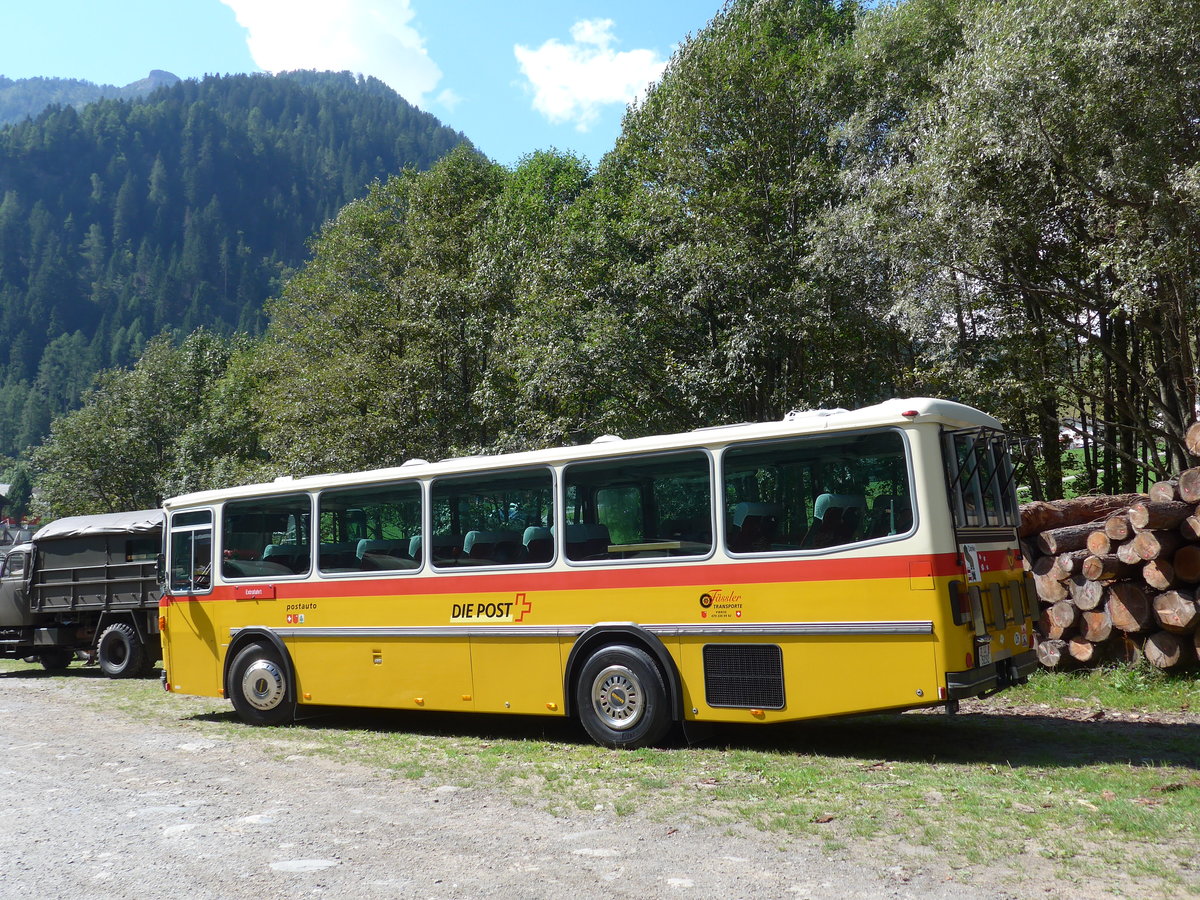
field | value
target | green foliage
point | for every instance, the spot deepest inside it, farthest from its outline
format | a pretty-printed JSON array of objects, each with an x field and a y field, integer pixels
[
  {"x": 1034, "y": 200},
  {"x": 24, "y": 97},
  {"x": 376, "y": 347},
  {"x": 182, "y": 419},
  {"x": 817, "y": 205},
  {"x": 20, "y": 491},
  {"x": 124, "y": 219}
]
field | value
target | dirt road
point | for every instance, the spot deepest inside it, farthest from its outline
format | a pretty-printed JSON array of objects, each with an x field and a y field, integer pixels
[{"x": 97, "y": 804}]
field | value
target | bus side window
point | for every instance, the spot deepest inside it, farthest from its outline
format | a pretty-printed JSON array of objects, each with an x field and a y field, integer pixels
[
  {"x": 643, "y": 507},
  {"x": 816, "y": 492}
]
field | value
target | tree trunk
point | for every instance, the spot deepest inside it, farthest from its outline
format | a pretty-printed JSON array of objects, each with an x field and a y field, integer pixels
[
  {"x": 1049, "y": 590},
  {"x": 1156, "y": 544},
  {"x": 1189, "y": 485},
  {"x": 1149, "y": 515},
  {"x": 1187, "y": 563},
  {"x": 1061, "y": 618},
  {"x": 1084, "y": 651},
  {"x": 1164, "y": 650},
  {"x": 1095, "y": 625},
  {"x": 1176, "y": 612},
  {"x": 1129, "y": 608},
  {"x": 1164, "y": 491},
  {"x": 1127, "y": 553},
  {"x": 1099, "y": 543},
  {"x": 1160, "y": 574},
  {"x": 1117, "y": 527},
  {"x": 1190, "y": 528},
  {"x": 1069, "y": 537},
  {"x": 1051, "y": 653},
  {"x": 1045, "y": 515},
  {"x": 1104, "y": 568},
  {"x": 1192, "y": 439},
  {"x": 1085, "y": 593},
  {"x": 1071, "y": 563}
]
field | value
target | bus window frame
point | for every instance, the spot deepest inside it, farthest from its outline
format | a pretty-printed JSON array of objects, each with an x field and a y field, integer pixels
[
  {"x": 1000, "y": 483},
  {"x": 427, "y": 534},
  {"x": 836, "y": 548},
  {"x": 171, "y": 529},
  {"x": 560, "y": 538},
  {"x": 219, "y": 529}
]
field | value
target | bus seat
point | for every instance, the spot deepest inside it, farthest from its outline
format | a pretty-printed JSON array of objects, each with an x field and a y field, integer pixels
[
  {"x": 384, "y": 554},
  {"x": 754, "y": 526},
  {"x": 446, "y": 547},
  {"x": 837, "y": 519},
  {"x": 291, "y": 555},
  {"x": 587, "y": 541},
  {"x": 391, "y": 548},
  {"x": 539, "y": 543},
  {"x": 492, "y": 546}
]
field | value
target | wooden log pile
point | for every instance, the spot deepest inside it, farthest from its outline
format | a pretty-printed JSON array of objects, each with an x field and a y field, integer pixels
[{"x": 1117, "y": 578}]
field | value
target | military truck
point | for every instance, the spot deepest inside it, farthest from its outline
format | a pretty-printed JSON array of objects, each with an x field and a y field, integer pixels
[{"x": 85, "y": 586}]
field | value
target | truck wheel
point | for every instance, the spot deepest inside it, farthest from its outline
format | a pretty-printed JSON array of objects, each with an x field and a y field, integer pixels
[
  {"x": 120, "y": 651},
  {"x": 56, "y": 660},
  {"x": 259, "y": 688},
  {"x": 622, "y": 698}
]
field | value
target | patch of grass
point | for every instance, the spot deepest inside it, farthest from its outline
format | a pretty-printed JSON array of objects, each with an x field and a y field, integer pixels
[
  {"x": 988, "y": 793},
  {"x": 1118, "y": 688}
]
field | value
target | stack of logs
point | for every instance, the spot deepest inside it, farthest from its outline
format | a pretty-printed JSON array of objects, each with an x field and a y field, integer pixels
[{"x": 1117, "y": 577}]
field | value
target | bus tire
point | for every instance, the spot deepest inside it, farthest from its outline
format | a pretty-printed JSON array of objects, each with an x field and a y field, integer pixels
[
  {"x": 259, "y": 688},
  {"x": 120, "y": 651},
  {"x": 56, "y": 660},
  {"x": 621, "y": 696}
]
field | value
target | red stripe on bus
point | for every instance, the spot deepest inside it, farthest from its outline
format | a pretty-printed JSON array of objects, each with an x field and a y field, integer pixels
[{"x": 609, "y": 578}]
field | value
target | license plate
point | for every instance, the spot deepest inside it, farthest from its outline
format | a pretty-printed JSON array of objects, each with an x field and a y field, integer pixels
[{"x": 983, "y": 655}]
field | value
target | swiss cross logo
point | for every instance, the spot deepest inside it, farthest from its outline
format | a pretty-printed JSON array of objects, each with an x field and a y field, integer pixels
[{"x": 522, "y": 606}]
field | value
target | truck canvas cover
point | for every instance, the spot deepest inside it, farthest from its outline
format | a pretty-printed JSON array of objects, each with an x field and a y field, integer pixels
[{"x": 146, "y": 520}]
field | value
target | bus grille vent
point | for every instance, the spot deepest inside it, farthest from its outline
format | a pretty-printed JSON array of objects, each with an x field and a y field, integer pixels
[{"x": 743, "y": 675}]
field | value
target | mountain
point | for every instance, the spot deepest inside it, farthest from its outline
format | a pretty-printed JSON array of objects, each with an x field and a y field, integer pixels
[
  {"x": 125, "y": 218},
  {"x": 24, "y": 97}
]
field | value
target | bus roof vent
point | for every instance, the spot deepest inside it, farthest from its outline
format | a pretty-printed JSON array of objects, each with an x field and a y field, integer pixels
[
  {"x": 808, "y": 413},
  {"x": 606, "y": 439},
  {"x": 416, "y": 461}
]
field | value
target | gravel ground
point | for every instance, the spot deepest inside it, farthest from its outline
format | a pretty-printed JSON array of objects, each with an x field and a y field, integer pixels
[{"x": 101, "y": 806}]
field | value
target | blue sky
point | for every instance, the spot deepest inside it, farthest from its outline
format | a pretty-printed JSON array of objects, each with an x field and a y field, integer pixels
[{"x": 513, "y": 76}]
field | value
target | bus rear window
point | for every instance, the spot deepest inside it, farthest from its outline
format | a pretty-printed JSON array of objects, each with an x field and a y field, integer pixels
[{"x": 980, "y": 476}]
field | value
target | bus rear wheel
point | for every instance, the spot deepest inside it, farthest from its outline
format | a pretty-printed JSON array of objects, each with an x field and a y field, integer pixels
[
  {"x": 258, "y": 686},
  {"x": 621, "y": 696}
]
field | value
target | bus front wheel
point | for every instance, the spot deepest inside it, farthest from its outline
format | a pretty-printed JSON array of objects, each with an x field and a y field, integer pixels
[
  {"x": 622, "y": 698},
  {"x": 258, "y": 687}
]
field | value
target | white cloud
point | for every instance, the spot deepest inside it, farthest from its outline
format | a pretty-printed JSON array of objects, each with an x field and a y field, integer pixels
[
  {"x": 571, "y": 82},
  {"x": 371, "y": 37},
  {"x": 448, "y": 99}
]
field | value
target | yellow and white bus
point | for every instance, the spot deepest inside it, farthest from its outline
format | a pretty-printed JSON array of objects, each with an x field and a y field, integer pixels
[{"x": 835, "y": 562}]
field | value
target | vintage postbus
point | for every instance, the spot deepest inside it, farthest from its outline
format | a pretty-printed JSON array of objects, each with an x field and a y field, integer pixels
[{"x": 835, "y": 562}]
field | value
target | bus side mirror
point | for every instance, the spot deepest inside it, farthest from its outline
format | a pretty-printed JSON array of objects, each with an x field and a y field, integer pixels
[{"x": 160, "y": 569}]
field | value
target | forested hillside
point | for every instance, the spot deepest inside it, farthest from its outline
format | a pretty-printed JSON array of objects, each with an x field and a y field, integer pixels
[
  {"x": 818, "y": 205},
  {"x": 126, "y": 218},
  {"x": 22, "y": 97}
]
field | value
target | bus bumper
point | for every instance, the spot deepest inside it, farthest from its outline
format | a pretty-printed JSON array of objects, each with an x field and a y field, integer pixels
[{"x": 992, "y": 677}]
